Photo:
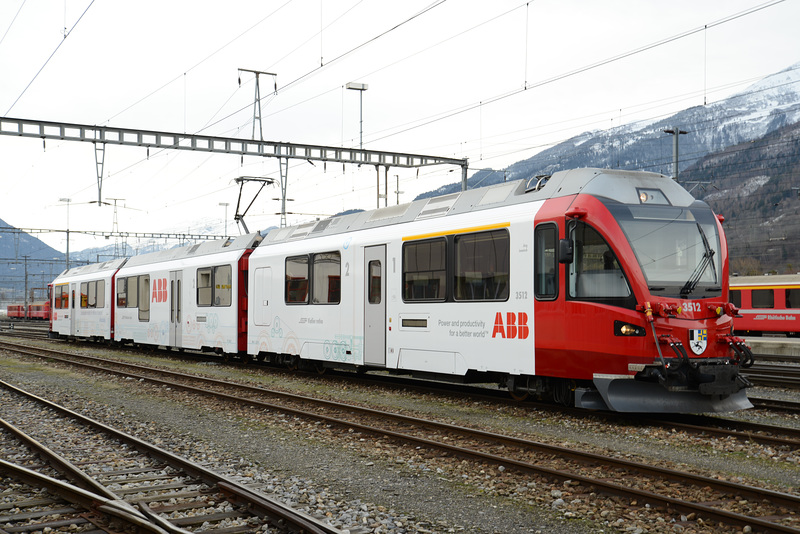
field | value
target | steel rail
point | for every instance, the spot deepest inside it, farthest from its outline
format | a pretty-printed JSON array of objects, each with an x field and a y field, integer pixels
[
  {"x": 590, "y": 458},
  {"x": 85, "y": 499},
  {"x": 297, "y": 521}
]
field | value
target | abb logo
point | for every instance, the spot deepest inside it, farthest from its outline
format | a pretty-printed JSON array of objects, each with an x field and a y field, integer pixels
[
  {"x": 159, "y": 290},
  {"x": 516, "y": 325}
]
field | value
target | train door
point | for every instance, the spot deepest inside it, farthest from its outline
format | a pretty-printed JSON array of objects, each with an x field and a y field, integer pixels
[
  {"x": 375, "y": 305},
  {"x": 175, "y": 312},
  {"x": 73, "y": 319}
]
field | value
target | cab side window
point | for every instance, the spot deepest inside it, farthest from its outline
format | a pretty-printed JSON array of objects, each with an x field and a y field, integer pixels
[
  {"x": 545, "y": 281},
  {"x": 595, "y": 273}
]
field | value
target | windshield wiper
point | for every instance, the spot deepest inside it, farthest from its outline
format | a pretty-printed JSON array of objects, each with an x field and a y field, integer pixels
[{"x": 708, "y": 256}]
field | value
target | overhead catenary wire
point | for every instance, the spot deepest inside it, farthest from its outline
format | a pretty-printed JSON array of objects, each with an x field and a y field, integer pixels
[
  {"x": 12, "y": 22},
  {"x": 50, "y": 57}
]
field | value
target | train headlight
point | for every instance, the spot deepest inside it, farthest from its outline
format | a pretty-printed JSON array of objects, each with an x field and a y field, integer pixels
[
  {"x": 627, "y": 329},
  {"x": 652, "y": 196}
]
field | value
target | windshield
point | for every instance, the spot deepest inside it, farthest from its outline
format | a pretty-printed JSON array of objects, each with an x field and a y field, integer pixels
[{"x": 677, "y": 248}]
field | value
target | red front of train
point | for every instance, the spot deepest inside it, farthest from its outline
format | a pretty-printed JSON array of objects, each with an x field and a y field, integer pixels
[{"x": 638, "y": 314}]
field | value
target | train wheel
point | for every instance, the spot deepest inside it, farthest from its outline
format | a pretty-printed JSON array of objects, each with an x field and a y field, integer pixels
[
  {"x": 319, "y": 368},
  {"x": 292, "y": 362},
  {"x": 516, "y": 389},
  {"x": 519, "y": 396}
]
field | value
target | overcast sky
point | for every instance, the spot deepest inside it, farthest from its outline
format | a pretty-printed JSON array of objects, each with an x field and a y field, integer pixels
[{"x": 494, "y": 82}]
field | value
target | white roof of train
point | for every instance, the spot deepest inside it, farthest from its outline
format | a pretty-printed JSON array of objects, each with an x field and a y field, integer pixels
[{"x": 620, "y": 185}]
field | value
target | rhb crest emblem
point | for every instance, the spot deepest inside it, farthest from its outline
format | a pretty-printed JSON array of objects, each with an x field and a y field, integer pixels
[{"x": 698, "y": 341}]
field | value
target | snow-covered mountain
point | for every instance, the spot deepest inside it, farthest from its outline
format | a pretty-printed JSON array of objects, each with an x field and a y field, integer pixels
[{"x": 761, "y": 108}]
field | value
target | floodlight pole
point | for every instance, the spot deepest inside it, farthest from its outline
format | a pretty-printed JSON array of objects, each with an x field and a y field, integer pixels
[
  {"x": 676, "y": 132},
  {"x": 67, "y": 200},
  {"x": 225, "y": 204},
  {"x": 360, "y": 87}
]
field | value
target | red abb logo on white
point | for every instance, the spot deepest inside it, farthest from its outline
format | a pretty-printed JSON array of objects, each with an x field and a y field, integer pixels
[{"x": 515, "y": 326}]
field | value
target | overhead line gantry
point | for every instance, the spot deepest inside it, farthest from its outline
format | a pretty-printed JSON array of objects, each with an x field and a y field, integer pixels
[{"x": 104, "y": 135}]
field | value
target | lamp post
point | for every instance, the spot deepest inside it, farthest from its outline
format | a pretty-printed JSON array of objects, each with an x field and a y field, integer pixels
[
  {"x": 67, "y": 200},
  {"x": 360, "y": 87},
  {"x": 225, "y": 204}
]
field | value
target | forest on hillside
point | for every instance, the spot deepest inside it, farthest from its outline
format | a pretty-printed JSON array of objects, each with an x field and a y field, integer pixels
[{"x": 756, "y": 187}]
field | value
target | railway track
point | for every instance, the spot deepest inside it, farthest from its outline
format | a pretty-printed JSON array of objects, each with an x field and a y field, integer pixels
[
  {"x": 774, "y": 375},
  {"x": 36, "y": 502},
  {"x": 680, "y": 493},
  {"x": 163, "y": 492}
]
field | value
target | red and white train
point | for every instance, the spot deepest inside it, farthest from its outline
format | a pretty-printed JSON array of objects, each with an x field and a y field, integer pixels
[
  {"x": 599, "y": 288},
  {"x": 768, "y": 304},
  {"x": 36, "y": 310}
]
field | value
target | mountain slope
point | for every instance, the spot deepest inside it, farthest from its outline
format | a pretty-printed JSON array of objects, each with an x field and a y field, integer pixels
[{"x": 764, "y": 107}]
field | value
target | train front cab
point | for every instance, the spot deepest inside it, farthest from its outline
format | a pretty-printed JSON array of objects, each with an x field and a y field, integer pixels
[{"x": 631, "y": 309}]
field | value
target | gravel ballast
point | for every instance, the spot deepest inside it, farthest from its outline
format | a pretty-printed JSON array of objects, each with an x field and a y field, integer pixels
[{"x": 368, "y": 485}]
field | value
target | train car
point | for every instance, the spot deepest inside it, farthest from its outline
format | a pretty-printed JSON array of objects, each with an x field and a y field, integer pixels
[
  {"x": 39, "y": 310},
  {"x": 81, "y": 301},
  {"x": 191, "y": 297},
  {"x": 15, "y": 311},
  {"x": 598, "y": 288},
  {"x": 767, "y": 304},
  {"x": 36, "y": 310}
]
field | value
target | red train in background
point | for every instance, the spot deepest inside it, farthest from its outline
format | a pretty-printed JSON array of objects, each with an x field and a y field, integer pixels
[
  {"x": 36, "y": 310},
  {"x": 767, "y": 304}
]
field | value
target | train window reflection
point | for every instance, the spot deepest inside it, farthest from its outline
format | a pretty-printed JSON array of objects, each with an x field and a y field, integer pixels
[
  {"x": 595, "y": 272},
  {"x": 204, "y": 291},
  {"x": 545, "y": 260},
  {"x": 482, "y": 266},
  {"x": 327, "y": 272},
  {"x": 297, "y": 280},
  {"x": 144, "y": 297},
  {"x": 374, "y": 282},
  {"x": 424, "y": 270},
  {"x": 678, "y": 249},
  {"x": 793, "y": 298},
  {"x": 763, "y": 298}
]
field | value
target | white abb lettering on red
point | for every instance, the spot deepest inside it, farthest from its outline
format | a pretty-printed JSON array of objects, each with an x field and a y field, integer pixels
[{"x": 515, "y": 327}]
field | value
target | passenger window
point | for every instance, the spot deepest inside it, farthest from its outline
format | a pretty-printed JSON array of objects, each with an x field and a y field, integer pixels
[
  {"x": 793, "y": 298},
  {"x": 84, "y": 294},
  {"x": 100, "y": 296},
  {"x": 62, "y": 297},
  {"x": 133, "y": 291},
  {"x": 374, "y": 282},
  {"x": 545, "y": 285},
  {"x": 122, "y": 292},
  {"x": 424, "y": 272},
  {"x": 327, "y": 278},
  {"x": 763, "y": 298},
  {"x": 144, "y": 297},
  {"x": 223, "y": 286},
  {"x": 595, "y": 273},
  {"x": 482, "y": 266},
  {"x": 736, "y": 297},
  {"x": 204, "y": 289},
  {"x": 297, "y": 280}
]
